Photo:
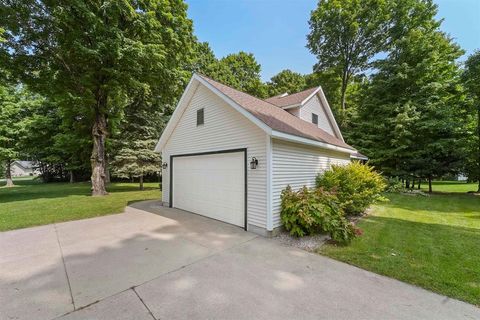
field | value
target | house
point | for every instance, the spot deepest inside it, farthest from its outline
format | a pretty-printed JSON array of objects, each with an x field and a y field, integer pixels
[
  {"x": 23, "y": 168},
  {"x": 228, "y": 155}
]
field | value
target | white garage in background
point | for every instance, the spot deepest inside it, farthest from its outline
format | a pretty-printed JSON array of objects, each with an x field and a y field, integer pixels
[{"x": 228, "y": 155}]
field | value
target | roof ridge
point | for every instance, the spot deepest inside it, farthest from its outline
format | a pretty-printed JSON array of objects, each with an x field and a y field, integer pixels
[
  {"x": 324, "y": 135},
  {"x": 226, "y": 85},
  {"x": 291, "y": 94}
]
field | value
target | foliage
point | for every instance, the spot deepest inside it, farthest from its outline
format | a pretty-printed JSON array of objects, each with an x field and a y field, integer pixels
[
  {"x": 424, "y": 241},
  {"x": 240, "y": 71},
  {"x": 356, "y": 185},
  {"x": 286, "y": 81},
  {"x": 14, "y": 109},
  {"x": 134, "y": 145},
  {"x": 87, "y": 56},
  {"x": 471, "y": 80},
  {"x": 346, "y": 34},
  {"x": 309, "y": 211},
  {"x": 394, "y": 184},
  {"x": 410, "y": 120}
]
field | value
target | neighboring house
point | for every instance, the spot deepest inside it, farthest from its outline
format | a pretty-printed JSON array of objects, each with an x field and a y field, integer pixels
[
  {"x": 228, "y": 155},
  {"x": 23, "y": 168}
]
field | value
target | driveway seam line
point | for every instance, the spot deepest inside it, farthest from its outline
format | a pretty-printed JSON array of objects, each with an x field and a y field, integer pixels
[
  {"x": 157, "y": 277},
  {"x": 144, "y": 304},
  {"x": 196, "y": 261},
  {"x": 64, "y": 267}
]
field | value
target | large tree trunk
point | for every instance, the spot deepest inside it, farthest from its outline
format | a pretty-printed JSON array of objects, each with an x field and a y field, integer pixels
[
  {"x": 8, "y": 174},
  {"x": 72, "y": 179},
  {"x": 141, "y": 181},
  {"x": 419, "y": 183},
  {"x": 343, "y": 89},
  {"x": 99, "y": 134},
  {"x": 430, "y": 184}
]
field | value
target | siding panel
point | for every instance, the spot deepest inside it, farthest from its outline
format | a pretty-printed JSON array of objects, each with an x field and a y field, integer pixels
[
  {"x": 314, "y": 105},
  {"x": 224, "y": 128},
  {"x": 298, "y": 165}
]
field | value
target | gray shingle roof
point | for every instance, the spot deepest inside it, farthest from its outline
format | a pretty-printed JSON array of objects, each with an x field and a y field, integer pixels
[{"x": 277, "y": 118}]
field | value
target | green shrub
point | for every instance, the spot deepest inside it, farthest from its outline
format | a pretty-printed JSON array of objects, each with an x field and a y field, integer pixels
[
  {"x": 394, "y": 185},
  {"x": 310, "y": 211},
  {"x": 357, "y": 186}
]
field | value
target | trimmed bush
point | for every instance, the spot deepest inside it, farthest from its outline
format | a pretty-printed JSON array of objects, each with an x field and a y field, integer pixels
[
  {"x": 356, "y": 185},
  {"x": 310, "y": 211}
]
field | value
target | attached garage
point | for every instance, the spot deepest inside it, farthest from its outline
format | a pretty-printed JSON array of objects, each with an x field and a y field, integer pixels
[
  {"x": 227, "y": 155},
  {"x": 212, "y": 184}
]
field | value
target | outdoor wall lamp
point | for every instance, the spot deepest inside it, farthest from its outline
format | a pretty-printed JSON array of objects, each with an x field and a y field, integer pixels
[
  {"x": 164, "y": 165},
  {"x": 253, "y": 163}
]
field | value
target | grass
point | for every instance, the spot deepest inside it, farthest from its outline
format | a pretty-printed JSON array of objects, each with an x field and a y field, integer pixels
[
  {"x": 32, "y": 203},
  {"x": 432, "y": 242},
  {"x": 450, "y": 186}
]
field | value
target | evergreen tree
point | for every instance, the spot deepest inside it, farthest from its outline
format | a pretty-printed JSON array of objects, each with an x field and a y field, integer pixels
[
  {"x": 409, "y": 122},
  {"x": 133, "y": 146}
]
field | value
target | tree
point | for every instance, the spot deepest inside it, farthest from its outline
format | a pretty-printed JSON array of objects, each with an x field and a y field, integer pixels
[
  {"x": 331, "y": 84},
  {"x": 471, "y": 80},
  {"x": 410, "y": 120},
  {"x": 87, "y": 56},
  {"x": 240, "y": 71},
  {"x": 134, "y": 154},
  {"x": 286, "y": 81},
  {"x": 346, "y": 34},
  {"x": 13, "y": 110}
]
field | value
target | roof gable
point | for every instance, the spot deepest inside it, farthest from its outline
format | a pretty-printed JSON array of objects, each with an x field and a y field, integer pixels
[{"x": 266, "y": 115}]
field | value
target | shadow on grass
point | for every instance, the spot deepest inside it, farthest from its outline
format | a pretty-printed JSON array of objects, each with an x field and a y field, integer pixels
[{"x": 35, "y": 189}]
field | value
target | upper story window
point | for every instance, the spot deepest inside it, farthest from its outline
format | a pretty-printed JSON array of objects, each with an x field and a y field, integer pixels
[
  {"x": 200, "y": 117},
  {"x": 315, "y": 118}
]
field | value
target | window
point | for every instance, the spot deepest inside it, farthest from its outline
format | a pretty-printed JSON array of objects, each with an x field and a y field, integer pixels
[
  {"x": 200, "y": 117},
  {"x": 314, "y": 118}
]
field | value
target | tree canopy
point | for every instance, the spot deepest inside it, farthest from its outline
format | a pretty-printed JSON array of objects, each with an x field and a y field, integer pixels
[
  {"x": 86, "y": 56},
  {"x": 471, "y": 80}
]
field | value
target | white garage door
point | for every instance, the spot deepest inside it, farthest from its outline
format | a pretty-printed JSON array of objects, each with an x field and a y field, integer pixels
[{"x": 211, "y": 185}]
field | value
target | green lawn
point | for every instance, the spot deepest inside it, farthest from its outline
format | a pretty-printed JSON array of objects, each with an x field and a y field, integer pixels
[
  {"x": 451, "y": 186},
  {"x": 432, "y": 242},
  {"x": 32, "y": 203}
]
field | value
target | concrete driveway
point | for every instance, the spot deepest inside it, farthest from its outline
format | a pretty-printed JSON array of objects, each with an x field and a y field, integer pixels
[{"x": 176, "y": 265}]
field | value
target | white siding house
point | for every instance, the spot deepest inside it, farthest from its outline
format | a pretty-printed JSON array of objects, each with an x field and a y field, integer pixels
[
  {"x": 23, "y": 168},
  {"x": 227, "y": 155}
]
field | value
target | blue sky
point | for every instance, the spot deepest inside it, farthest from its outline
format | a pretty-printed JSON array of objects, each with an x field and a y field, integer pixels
[{"x": 275, "y": 30}]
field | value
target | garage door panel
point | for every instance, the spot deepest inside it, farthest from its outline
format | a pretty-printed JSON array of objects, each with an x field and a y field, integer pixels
[{"x": 211, "y": 185}]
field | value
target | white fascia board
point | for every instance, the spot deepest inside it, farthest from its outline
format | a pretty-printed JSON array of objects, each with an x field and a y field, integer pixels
[
  {"x": 311, "y": 96},
  {"x": 324, "y": 100},
  {"x": 177, "y": 113},
  {"x": 183, "y": 103},
  {"x": 306, "y": 141},
  {"x": 235, "y": 105}
]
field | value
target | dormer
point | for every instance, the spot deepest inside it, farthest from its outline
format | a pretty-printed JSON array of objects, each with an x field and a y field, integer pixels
[{"x": 311, "y": 106}]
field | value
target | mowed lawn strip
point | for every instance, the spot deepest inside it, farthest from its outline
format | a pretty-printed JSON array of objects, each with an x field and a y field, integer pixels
[
  {"x": 32, "y": 203},
  {"x": 450, "y": 186},
  {"x": 432, "y": 242}
]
